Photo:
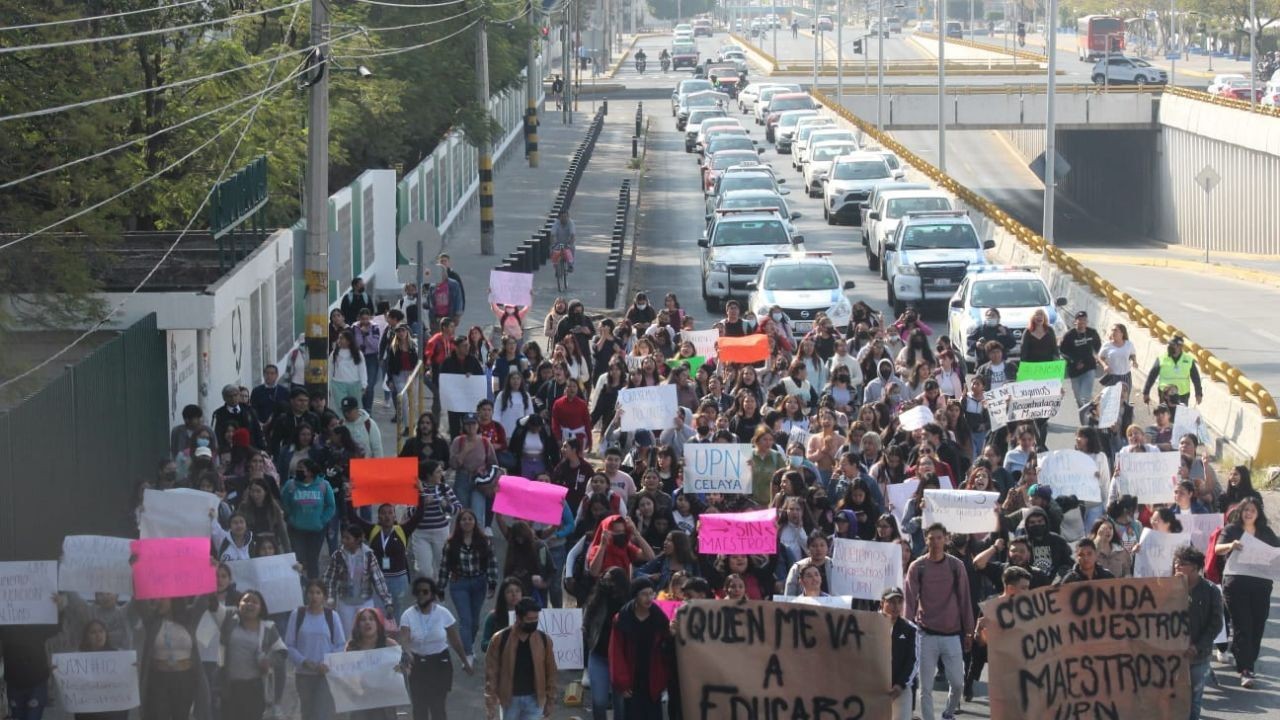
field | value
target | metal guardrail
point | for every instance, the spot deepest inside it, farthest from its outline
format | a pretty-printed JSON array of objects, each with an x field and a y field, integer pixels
[
  {"x": 617, "y": 245},
  {"x": 1190, "y": 94},
  {"x": 1075, "y": 89},
  {"x": 1216, "y": 368},
  {"x": 411, "y": 400},
  {"x": 988, "y": 47}
]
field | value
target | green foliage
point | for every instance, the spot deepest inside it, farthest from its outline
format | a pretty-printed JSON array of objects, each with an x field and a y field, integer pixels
[
  {"x": 666, "y": 9},
  {"x": 396, "y": 117}
]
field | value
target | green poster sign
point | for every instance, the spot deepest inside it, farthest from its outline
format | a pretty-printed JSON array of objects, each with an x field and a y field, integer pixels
[
  {"x": 695, "y": 362},
  {"x": 1052, "y": 370}
]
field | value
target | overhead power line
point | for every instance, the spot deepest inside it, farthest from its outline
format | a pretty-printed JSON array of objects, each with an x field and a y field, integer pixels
[
  {"x": 383, "y": 52},
  {"x": 387, "y": 3},
  {"x": 152, "y": 31},
  {"x": 95, "y": 18}
]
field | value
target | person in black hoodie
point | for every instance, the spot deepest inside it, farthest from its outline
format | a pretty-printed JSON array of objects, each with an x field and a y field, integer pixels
[
  {"x": 905, "y": 644},
  {"x": 1049, "y": 551},
  {"x": 636, "y": 667}
]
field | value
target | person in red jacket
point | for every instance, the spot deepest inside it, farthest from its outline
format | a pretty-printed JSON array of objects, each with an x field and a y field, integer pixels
[
  {"x": 570, "y": 417},
  {"x": 616, "y": 543},
  {"x": 636, "y": 668}
]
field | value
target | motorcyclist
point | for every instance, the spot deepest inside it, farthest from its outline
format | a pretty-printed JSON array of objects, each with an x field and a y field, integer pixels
[
  {"x": 640, "y": 59},
  {"x": 664, "y": 57}
]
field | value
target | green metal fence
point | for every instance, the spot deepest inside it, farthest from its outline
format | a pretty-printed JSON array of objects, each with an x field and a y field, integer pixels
[{"x": 72, "y": 454}]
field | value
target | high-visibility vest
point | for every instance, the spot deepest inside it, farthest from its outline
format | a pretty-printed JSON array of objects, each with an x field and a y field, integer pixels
[{"x": 1176, "y": 372}]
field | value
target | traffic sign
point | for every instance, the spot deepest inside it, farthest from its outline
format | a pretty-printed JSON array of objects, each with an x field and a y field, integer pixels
[
  {"x": 1173, "y": 56},
  {"x": 1208, "y": 178},
  {"x": 1060, "y": 166}
]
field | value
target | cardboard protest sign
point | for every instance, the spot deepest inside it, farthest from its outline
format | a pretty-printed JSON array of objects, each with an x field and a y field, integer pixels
[
  {"x": 97, "y": 682},
  {"x": 962, "y": 511},
  {"x": 760, "y": 659},
  {"x": 94, "y": 563},
  {"x": 704, "y": 341},
  {"x": 366, "y": 679},
  {"x": 1200, "y": 527},
  {"x": 1079, "y": 650},
  {"x": 900, "y": 495},
  {"x": 1034, "y": 400},
  {"x": 461, "y": 393},
  {"x": 1071, "y": 472},
  {"x": 510, "y": 288},
  {"x": 842, "y": 602},
  {"x": 530, "y": 500},
  {"x": 695, "y": 362},
  {"x": 1155, "y": 557},
  {"x": 172, "y": 567},
  {"x": 1051, "y": 370},
  {"x": 274, "y": 577},
  {"x": 180, "y": 512},
  {"x": 915, "y": 418},
  {"x": 746, "y": 533},
  {"x": 1150, "y": 477},
  {"x": 375, "y": 481},
  {"x": 27, "y": 589},
  {"x": 648, "y": 408},
  {"x": 864, "y": 569},
  {"x": 717, "y": 467},
  {"x": 1187, "y": 421},
  {"x": 1109, "y": 405},
  {"x": 564, "y": 627},
  {"x": 998, "y": 405},
  {"x": 1256, "y": 558},
  {"x": 747, "y": 349}
]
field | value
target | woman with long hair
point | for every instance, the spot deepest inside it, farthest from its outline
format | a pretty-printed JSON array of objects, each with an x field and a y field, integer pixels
[
  {"x": 1112, "y": 554},
  {"x": 398, "y": 362},
  {"x": 915, "y": 352},
  {"x": 744, "y": 416},
  {"x": 529, "y": 561},
  {"x": 513, "y": 401},
  {"x": 94, "y": 638},
  {"x": 347, "y": 376},
  {"x": 677, "y": 556},
  {"x": 749, "y": 380},
  {"x": 891, "y": 469},
  {"x": 579, "y": 365},
  {"x": 300, "y": 448},
  {"x": 857, "y": 498},
  {"x": 250, "y": 644},
  {"x": 171, "y": 679},
  {"x": 559, "y": 311},
  {"x": 311, "y": 632},
  {"x": 264, "y": 515},
  {"x": 469, "y": 572},
  {"x": 370, "y": 633},
  {"x": 795, "y": 524},
  {"x": 426, "y": 443},
  {"x": 1239, "y": 487},
  {"x": 508, "y": 359},
  {"x": 950, "y": 374},
  {"x": 510, "y": 592},
  {"x": 758, "y": 582},
  {"x": 1247, "y": 596}
]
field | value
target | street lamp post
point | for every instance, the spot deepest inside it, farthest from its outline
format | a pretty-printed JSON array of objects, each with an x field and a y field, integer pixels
[
  {"x": 880, "y": 69},
  {"x": 942, "y": 83},
  {"x": 840, "y": 50},
  {"x": 1253, "y": 47},
  {"x": 1050, "y": 131}
]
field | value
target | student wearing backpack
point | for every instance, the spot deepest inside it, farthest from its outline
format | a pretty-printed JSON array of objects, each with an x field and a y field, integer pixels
[
  {"x": 313, "y": 631},
  {"x": 520, "y": 668},
  {"x": 251, "y": 646}
]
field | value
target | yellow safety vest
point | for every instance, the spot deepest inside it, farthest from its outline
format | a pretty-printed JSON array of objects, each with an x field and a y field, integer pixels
[{"x": 1176, "y": 372}]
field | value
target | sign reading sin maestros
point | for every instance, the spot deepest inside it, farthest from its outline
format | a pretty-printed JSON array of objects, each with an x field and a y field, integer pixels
[
  {"x": 1101, "y": 649},
  {"x": 782, "y": 661}
]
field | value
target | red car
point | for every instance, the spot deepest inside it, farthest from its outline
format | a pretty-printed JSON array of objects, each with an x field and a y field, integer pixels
[
  {"x": 779, "y": 104},
  {"x": 717, "y": 163},
  {"x": 1239, "y": 90}
]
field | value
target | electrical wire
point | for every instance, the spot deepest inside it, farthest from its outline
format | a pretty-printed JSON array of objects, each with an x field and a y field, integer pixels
[
  {"x": 72, "y": 21},
  {"x": 10, "y": 183},
  {"x": 386, "y": 3},
  {"x": 390, "y": 28},
  {"x": 396, "y": 51},
  {"x": 152, "y": 31},
  {"x": 167, "y": 86},
  {"x": 252, "y": 115}
]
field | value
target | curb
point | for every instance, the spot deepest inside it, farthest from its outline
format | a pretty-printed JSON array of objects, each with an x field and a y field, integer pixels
[{"x": 1213, "y": 268}]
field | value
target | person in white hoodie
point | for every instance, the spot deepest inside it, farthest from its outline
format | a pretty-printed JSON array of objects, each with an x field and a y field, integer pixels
[
  {"x": 364, "y": 431},
  {"x": 347, "y": 375}
]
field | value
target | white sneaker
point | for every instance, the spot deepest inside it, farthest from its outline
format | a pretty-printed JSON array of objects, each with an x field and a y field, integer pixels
[
  {"x": 1223, "y": 656},
  {"x": 586, "y": 680},
  {"x": 1246, "y": 680}
]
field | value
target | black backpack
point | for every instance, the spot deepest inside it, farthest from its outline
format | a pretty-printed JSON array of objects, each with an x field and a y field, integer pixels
[{"x": 301, "y": 614}]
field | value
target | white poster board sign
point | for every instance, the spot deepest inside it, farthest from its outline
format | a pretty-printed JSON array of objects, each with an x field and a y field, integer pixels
[
  {"x": 1150, "y": 477},
  {"x": 717, "y": 467},
  {"x": 1155, "y": 557},
  {"x": 1071, "y": 472},
  {"x": 1200, "y": 527},
  {"x": 1109, "y": 405},
  {"x": 900, "y": 494},
  {"x": 1187, "y": 421},
  {"x": 95, "y": 563},
  {"x": 962, "y": 511},
  {"x": 176, "y": 513},
  {"x": 461, "y": 393},
  {"x": 26, "y": 592},
  {"x": 863, "y": 569},
  {"x": 564, "y": 626},
  {"x": 366, "y": 679},
  {"x": 97, "y": 682},
  {"x": 1034, "y": 400},
  {"x": 840, "y": 602},
  {"x": 1256, "y": 558},
  {"x": 274, "y": 577},
  {"x": 510, "y": 288},
  {"x": 648, "y": 408},
  {"x": 915, "y": 418},
  {"x": 704, "y": 341}
]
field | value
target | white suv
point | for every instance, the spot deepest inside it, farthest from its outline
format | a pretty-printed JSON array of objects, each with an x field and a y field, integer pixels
[
  {"x": 849, "y": 183},
  {"x": 803, "y": 284},
  {"x": 890, "y": 207},
  {"x": 929, "y": 256},
  {"x": 1120, "y": 69},
  {"x": 734, "y": 247},
  {"x": 821, "y": 157}
]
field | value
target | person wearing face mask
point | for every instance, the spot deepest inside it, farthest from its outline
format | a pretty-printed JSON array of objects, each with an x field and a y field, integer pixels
[
  {"x": 641, "y": 313},
  {"x": 908, "y": 324},
  {"x": 578, "y": 326},
  {"x": 427, "y": 631},
  {"x": 1017, "y": 553},
  {"x": 617, "y": 544},
  {"x": 885, "y": 385},
  {"x": 990, "y": 329},
  {"x": 1049, "y": 551},
  {"x": 520, "y": 669}
]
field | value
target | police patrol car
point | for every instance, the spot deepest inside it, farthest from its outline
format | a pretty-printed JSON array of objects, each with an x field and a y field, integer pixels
[
  {"x": 1015, "y": 291},
  {"x": 803, "y": 284},
  {"x": 929, "y": 255}
]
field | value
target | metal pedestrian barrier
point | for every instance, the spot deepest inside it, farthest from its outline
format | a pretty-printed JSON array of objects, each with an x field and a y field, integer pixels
[{"x": 617, "y": 245}]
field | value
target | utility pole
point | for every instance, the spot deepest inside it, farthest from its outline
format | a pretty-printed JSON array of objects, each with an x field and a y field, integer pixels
[
  {"x": 840, "y": 51},
  {"x": 568, "y": 62},
  {"x": 1253, "y": 49},
  {"x": 813, "y": 26},
  {"x": 533, "y": 83},
  {"x": 942, "y": 84},
  {"x": 774, "y": 24},
  {"x": 1050, "y": 129},
  {"x": 880, "y": 70},
  {"x": 1171, "y": 51},
  {"x": 317, "y": 208},
  {"x": 485, "y": 148}
]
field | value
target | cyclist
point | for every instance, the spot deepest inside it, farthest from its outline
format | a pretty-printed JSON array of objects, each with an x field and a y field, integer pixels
[{"x": 563, "y": 238}]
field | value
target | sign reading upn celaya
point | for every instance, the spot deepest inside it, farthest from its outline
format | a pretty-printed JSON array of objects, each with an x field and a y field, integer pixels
[{"x": 781, "y": 660}]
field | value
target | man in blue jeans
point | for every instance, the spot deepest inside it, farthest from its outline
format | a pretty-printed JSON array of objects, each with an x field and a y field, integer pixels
[
  {"x": 1204, "y": 610},
  {"x": 520, "y": 668}
]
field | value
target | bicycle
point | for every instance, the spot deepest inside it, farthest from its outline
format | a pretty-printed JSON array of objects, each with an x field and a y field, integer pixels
[{"x": 561, "y": 257}]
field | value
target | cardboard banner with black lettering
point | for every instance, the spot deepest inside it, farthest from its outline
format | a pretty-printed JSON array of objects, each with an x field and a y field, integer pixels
[
  {"x": 760, "y": 659},
  {"x": 1100, "y": 649}
]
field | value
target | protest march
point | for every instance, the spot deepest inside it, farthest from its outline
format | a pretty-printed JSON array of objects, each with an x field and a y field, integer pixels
[{"x": 660, "y": 516}]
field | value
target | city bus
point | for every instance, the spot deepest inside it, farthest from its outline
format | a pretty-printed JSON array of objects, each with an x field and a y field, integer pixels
[{"x": 1092, "y": 33}]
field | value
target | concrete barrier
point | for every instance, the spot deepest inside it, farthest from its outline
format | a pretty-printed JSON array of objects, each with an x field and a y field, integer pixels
[{"x": 1241, "y": 413}]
